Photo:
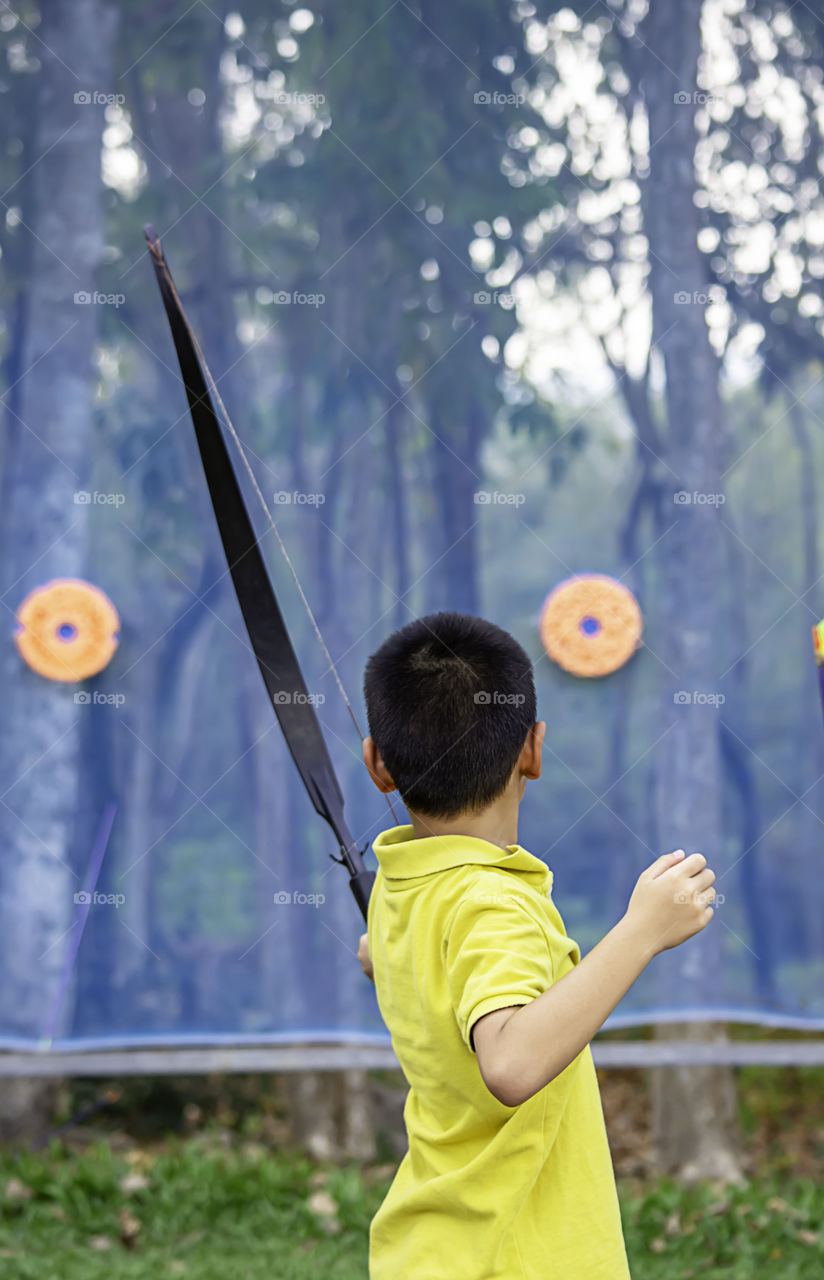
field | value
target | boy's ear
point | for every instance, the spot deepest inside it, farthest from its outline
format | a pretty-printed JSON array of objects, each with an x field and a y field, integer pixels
[
  {"x": 530, "y": 759},
  {"x": 377, "y": 770}
]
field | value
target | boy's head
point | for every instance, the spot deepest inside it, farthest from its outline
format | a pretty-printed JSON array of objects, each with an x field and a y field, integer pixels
[{"x": 450, "y": 700}]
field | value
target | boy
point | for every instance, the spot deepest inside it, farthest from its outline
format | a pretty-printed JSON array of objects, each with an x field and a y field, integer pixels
[{"x": 508, "y": 1175}]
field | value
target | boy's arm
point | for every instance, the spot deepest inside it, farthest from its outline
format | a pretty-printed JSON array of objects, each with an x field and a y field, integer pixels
[{"x": 522, "y": 1049}]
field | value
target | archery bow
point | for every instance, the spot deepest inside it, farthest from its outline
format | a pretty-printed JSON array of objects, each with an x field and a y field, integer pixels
[{"x": 269, "y": 638}]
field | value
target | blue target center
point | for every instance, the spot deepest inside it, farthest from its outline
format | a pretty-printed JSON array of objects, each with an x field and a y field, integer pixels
[
  {"x": 590, "y": 626},
  {"x": 67, "y": 631}
]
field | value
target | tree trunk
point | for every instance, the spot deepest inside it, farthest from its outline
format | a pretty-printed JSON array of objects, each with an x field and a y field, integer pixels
[
  {"x": 696, "y": 1140},
  {"x": 394, "y": 425},
  {"x": 694, "y": 1112},
  {"x": 456, "y": 467},
  {"x": 331, "y": 1114},
  {"x": 744, "y": 818},
  {"x": 809, "y": 760},
  {"x": 645, "y": 501},
  {"x": 44, "y": 533}
]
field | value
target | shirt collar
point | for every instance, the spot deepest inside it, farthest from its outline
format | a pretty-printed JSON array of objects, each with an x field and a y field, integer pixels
[{"x": 403, "y": 857}]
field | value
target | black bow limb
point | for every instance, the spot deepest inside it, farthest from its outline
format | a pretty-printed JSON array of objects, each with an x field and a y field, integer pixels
[{"x": 269, "y": 638}]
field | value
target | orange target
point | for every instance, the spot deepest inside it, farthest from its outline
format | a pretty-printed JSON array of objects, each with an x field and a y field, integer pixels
[
  {"x": 590, "y": 624},
  {"x": 67, "y": 630}
]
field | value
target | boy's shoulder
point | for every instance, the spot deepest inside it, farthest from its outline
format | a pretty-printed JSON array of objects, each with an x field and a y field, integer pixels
[
  {"x": 480, "y": 890},
  {"x": 493, "y": 903}
]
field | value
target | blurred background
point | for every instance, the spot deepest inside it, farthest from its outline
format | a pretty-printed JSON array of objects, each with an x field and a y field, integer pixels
[{"x": 494, "y": 295}]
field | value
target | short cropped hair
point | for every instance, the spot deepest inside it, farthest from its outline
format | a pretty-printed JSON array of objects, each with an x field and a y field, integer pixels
[{"x": 450, "y": 699}]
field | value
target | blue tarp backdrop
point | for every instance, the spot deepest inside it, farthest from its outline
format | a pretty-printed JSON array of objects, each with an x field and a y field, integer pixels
[{"x": 211, "y": 913}]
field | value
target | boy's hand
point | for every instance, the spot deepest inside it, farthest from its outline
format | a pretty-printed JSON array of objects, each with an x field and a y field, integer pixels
[
  {"x": 365, "y": 958},
  {"x": 670, "y": 901}
]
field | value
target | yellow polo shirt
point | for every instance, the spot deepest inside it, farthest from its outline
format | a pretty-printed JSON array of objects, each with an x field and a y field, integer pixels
[{"x": 459, "y": 927}]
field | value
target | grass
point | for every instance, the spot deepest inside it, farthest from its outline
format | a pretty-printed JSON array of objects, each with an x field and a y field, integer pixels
[
  {"x": 769, "y": 1225},
  {"x": 205, "y": 1208},
  {"x": 192, "y": 1210}
]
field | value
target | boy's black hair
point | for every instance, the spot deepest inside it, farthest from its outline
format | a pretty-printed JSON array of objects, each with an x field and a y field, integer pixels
[{"x": 450, "y": 699}]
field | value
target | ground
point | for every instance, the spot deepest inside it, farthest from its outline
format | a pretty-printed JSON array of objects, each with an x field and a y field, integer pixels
[{"x": 195, "y": 1178}]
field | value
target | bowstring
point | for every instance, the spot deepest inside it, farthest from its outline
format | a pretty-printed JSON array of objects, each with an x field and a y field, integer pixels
[{"x": 157, "y": 253}]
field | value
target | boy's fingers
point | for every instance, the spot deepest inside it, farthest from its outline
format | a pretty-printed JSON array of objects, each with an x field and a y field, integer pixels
[{"x": 663, "y": 863}]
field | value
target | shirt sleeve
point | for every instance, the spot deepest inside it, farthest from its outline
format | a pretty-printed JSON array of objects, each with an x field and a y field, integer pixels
[{"x": 497, "y": 955}]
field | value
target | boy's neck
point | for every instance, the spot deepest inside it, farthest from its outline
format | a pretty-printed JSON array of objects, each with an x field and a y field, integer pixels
[{"x": 498, "y": 824}]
